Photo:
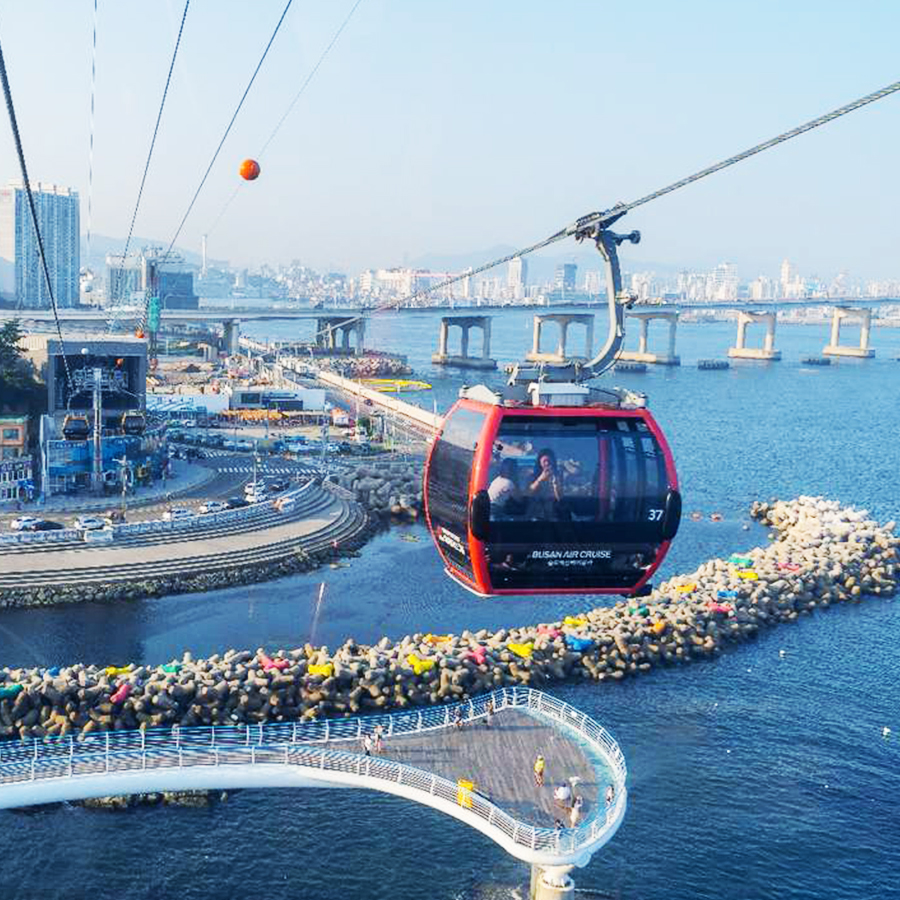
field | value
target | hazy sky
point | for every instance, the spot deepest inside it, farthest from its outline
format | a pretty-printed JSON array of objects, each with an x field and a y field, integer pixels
[{"x": 448, "y": 126}]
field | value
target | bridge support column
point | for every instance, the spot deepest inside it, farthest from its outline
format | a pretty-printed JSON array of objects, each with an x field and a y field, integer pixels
[
  {"x": 767, "y": 351},
  {"x": 463, "y": 360},
  {"x": 560, "y": 355},
  {"x": 863, "y": 351},
  {"x": 333, "y": 334},
  {"x": 551, "y": 883},
  {"x": 642, "y": 354}
]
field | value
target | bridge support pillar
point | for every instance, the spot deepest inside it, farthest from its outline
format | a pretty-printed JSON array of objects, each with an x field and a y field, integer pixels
[
  {"x": 669, "y": 358},
  {"x": 551, "y": 883},
  {"x": 767, "y": 351},
  {"x": 863, "y": 351},
  {"x": 560, "y": 355},
  {"x": 463, "y": 360},
  {"x": 231, "y": 335},
  {"x": 333, "y": 334}
]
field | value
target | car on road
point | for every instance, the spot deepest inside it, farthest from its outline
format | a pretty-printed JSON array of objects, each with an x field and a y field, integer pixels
[
  {"x": 236, "y": 503},
  {"x": 276, "y": 485},
  {"x": 114, "y": 516},
  {"x": 48, "y": 525},
  {"x": 89, "y": 523},
  {"x": 213, "y": 506},
  {"x": 177, "y": 513},
  {"x": 33, "y": 524},
  {"x": 23, "y": 523},
  {"x": 255, "y": 491}
]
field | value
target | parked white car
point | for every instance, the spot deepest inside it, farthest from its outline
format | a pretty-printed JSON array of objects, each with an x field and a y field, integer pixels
[
  {"x": 23, "y": 523},
  {"x": 256, "y": 492},
  {"x": 89, "y": 523},
  {"x": 177, "y": 513},
  {"x": 213, "y": 506}
]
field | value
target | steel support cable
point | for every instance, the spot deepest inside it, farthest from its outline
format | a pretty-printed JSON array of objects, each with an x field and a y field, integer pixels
[
  {"x": 162, "y": 105},
  {"x": 90, "y": 204},
  {"x": 291, "y": 106},
  {"x": 34, "y": 219},
  {"x": 585, "y": 223},
  {"x": 593, "y": 218},
  {"x": 219, "y": 148}
]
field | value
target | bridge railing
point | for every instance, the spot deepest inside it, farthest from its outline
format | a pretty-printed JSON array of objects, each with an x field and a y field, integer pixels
[{"x": 297, "y": 744}]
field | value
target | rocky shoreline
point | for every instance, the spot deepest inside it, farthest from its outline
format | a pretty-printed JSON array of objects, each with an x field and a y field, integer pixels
[
  {"x": 821, "y": 554},
  {"x": 387, "y": 489}
]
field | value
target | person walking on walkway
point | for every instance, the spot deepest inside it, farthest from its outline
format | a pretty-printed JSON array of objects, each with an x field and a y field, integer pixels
[
  {"x": 562, "y": 794},
  {"x": 539, "y": 766},
  {"x": 489, "y": 712},
  {"x": 610, "y": 795},
  {"x": 367, "y": 745},
  {"x": 575, "y": 811},
  {"x": 378, "y": 742}
]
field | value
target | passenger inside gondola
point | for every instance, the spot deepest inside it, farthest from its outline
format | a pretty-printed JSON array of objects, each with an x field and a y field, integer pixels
[
  {"x": 545, "y": 488},
  {"x": 504, "y": 493}
]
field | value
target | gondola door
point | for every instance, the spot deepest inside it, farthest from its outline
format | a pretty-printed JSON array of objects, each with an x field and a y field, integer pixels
[{"x": 449, "y": 478}]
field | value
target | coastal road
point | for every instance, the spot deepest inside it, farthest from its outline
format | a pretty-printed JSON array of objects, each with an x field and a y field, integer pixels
[{"x": 321, "y": 519}]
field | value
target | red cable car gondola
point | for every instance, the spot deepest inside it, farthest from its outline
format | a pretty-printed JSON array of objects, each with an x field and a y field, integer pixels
[
  {"x": 549, "y": 485},
  {"x": 550, "y": 499}
]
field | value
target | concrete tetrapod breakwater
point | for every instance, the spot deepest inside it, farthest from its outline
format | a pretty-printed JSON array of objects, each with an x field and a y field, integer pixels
[{"x": 821, "y": 554}]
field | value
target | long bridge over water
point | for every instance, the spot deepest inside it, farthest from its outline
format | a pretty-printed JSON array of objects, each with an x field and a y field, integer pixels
[
  {"x": 472, "y": 761},
  {"x": 343, "y": 329}
]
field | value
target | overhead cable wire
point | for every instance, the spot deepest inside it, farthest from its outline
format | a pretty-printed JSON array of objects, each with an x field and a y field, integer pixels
[
  {"x": 162, "y": 105},
  {"x": 585, "y": 223},
  {"x": 90, "y": 198},
  {"x": 288, "y": 111},
  {"x": 228, "y": 129},
  {"x": 7, "y": 93},
  {"x": 758, "y": 148},
  {"x": 310, "y": 76}
]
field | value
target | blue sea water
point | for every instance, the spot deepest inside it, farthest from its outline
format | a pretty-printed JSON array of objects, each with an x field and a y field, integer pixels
[{"x": 755, "y": 775}]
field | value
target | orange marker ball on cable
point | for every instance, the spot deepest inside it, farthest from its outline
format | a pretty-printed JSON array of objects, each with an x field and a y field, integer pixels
[{"x": 249, "y": 170}]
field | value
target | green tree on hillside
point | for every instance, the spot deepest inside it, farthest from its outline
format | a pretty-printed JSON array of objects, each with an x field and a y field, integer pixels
[
  {"x": 21, "y": 393},
  {"x": 11, "y": 362}
]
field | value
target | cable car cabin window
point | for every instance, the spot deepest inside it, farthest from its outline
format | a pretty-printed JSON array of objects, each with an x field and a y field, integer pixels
[
  {"x": 449, "y": 472},
  {"x": 575, "y": 501}
]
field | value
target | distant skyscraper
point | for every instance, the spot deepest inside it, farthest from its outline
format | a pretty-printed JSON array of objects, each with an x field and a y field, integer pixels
[
  {"x": 594, "y": 282},
  {"x": 21, "y": 274},
  {"x": 517, "y": 276},
  {"x": 788, "y": 276},
  {"x": 565, "y": 277}
]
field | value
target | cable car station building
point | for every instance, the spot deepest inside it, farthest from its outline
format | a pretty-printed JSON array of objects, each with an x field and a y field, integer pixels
[{"x": 121, "y": 360}]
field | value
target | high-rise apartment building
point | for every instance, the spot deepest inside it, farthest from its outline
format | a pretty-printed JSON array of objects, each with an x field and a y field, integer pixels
[
  {"x": 517, "y": 277},
  {"x": 21, "y": 274},
  {"x": 565, "y": 277}
]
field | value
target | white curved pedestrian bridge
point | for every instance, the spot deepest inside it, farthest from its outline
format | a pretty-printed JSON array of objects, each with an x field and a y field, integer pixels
[{"x": 426, "y": 754}]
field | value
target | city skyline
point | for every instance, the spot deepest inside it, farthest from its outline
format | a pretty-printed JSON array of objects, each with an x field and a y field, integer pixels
[{"x": 425, "y": 149}]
